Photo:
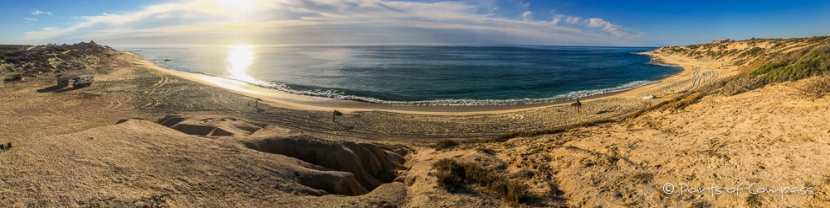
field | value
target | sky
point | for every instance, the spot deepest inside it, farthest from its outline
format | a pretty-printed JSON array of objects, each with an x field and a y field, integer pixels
[{"x": 406, "y": 22}]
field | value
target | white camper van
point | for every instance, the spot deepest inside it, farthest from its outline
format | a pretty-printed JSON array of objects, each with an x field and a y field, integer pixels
[{"x": 83, "y": 80}]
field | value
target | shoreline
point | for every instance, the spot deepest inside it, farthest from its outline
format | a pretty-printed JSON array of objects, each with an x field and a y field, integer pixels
[{"x": 305, "y": 102}]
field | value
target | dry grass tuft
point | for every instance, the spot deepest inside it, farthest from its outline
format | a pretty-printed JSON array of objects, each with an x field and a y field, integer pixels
[
  {"x": 815, "y": 88},
  {"x": 753, "y": 201},
  {"x": 452, "y": 174},
  {"x": 741, "y": 84},
  {"x": 445, "y": 144},
  {"x": 700, "y": 204},
  {"x": 678, "y": 102},
  {"x": 682, "y": 102},
  {"x": 644, "y": 177}
]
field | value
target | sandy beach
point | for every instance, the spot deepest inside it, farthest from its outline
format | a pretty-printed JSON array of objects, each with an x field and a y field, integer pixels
[
  {"x": 301, "y": 102},
  {"x": 143, "y": 135}
]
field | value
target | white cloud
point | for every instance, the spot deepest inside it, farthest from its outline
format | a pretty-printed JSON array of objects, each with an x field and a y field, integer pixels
[
  {"x": 556, "y": 19},
  {"x": 29, "y": 19},
  {"x": 318, "y": 22},
  {"x": 568, "y": 19},
  {"x": 38, "y": 12},
  {"x": 524, "y": 5},
  {"x": 608, "y": 27},
  {"x": 527, "y": 16},
  {"x": 572, "y": 20}
]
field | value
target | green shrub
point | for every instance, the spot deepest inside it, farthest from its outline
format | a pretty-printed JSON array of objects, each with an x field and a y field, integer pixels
[
  {"x": 784, "y": 67},
  {"x": 810, "y": 65}
]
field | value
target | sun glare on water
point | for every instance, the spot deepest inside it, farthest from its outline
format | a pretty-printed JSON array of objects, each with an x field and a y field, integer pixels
[{"x": 239, "y": 59}]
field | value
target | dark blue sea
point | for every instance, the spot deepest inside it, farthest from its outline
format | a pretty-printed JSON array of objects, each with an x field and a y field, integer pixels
[{"x": 423, "y": 75}]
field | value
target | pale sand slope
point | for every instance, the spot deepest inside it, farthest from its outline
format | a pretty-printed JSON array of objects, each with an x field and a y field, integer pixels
[
  {"x": 138, "y": 163},
  {"x": 768, "y": 136}
]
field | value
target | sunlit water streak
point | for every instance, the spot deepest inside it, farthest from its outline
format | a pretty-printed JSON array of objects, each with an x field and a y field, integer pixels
[{"x": 238, "y": 60}]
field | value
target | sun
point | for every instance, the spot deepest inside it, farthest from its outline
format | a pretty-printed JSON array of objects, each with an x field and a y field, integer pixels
[{"x": 239, "y": 4}]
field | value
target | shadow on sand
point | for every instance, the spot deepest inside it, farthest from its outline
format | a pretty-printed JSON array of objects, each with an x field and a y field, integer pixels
[
  {"x": 347, "y": 128},
  {"x": 56, "y": 89},
  {"x": 604, "y": 112}
]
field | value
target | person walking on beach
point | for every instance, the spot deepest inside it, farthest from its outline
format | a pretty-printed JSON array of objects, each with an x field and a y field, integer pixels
[{"x": 577, "y": 105}]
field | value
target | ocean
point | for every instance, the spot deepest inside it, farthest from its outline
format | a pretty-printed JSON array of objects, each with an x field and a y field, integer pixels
[{"x": 423, "y": 75}]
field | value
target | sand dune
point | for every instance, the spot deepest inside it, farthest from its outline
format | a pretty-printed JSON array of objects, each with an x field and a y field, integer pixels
[{"x": 142, "y": 163}]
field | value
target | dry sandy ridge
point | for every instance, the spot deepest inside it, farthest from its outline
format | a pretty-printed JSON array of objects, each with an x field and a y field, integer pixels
[{"x": 769, "y": 137}]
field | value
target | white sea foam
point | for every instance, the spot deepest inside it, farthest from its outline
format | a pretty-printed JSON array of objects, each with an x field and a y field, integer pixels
[
  {"x": 656, "y": 61},
  {"x": 460, "y": 102}
]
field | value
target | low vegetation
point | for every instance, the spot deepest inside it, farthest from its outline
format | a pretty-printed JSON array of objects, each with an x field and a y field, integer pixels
[
  {"x": 740, "y": 85},
  {"x": 753, "y": 201},
  {"x": 754, "y": 51},
  {"x": 678, "y": 102},
  {"x": 41, "y": 59},
  {"x": 791, "y": 66},
  {"x": 681, "y": 102},
  {"x": 445, "y": 144},
  {"x": 816, "y": 88},
  {"x": 452, "y": 174}
]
